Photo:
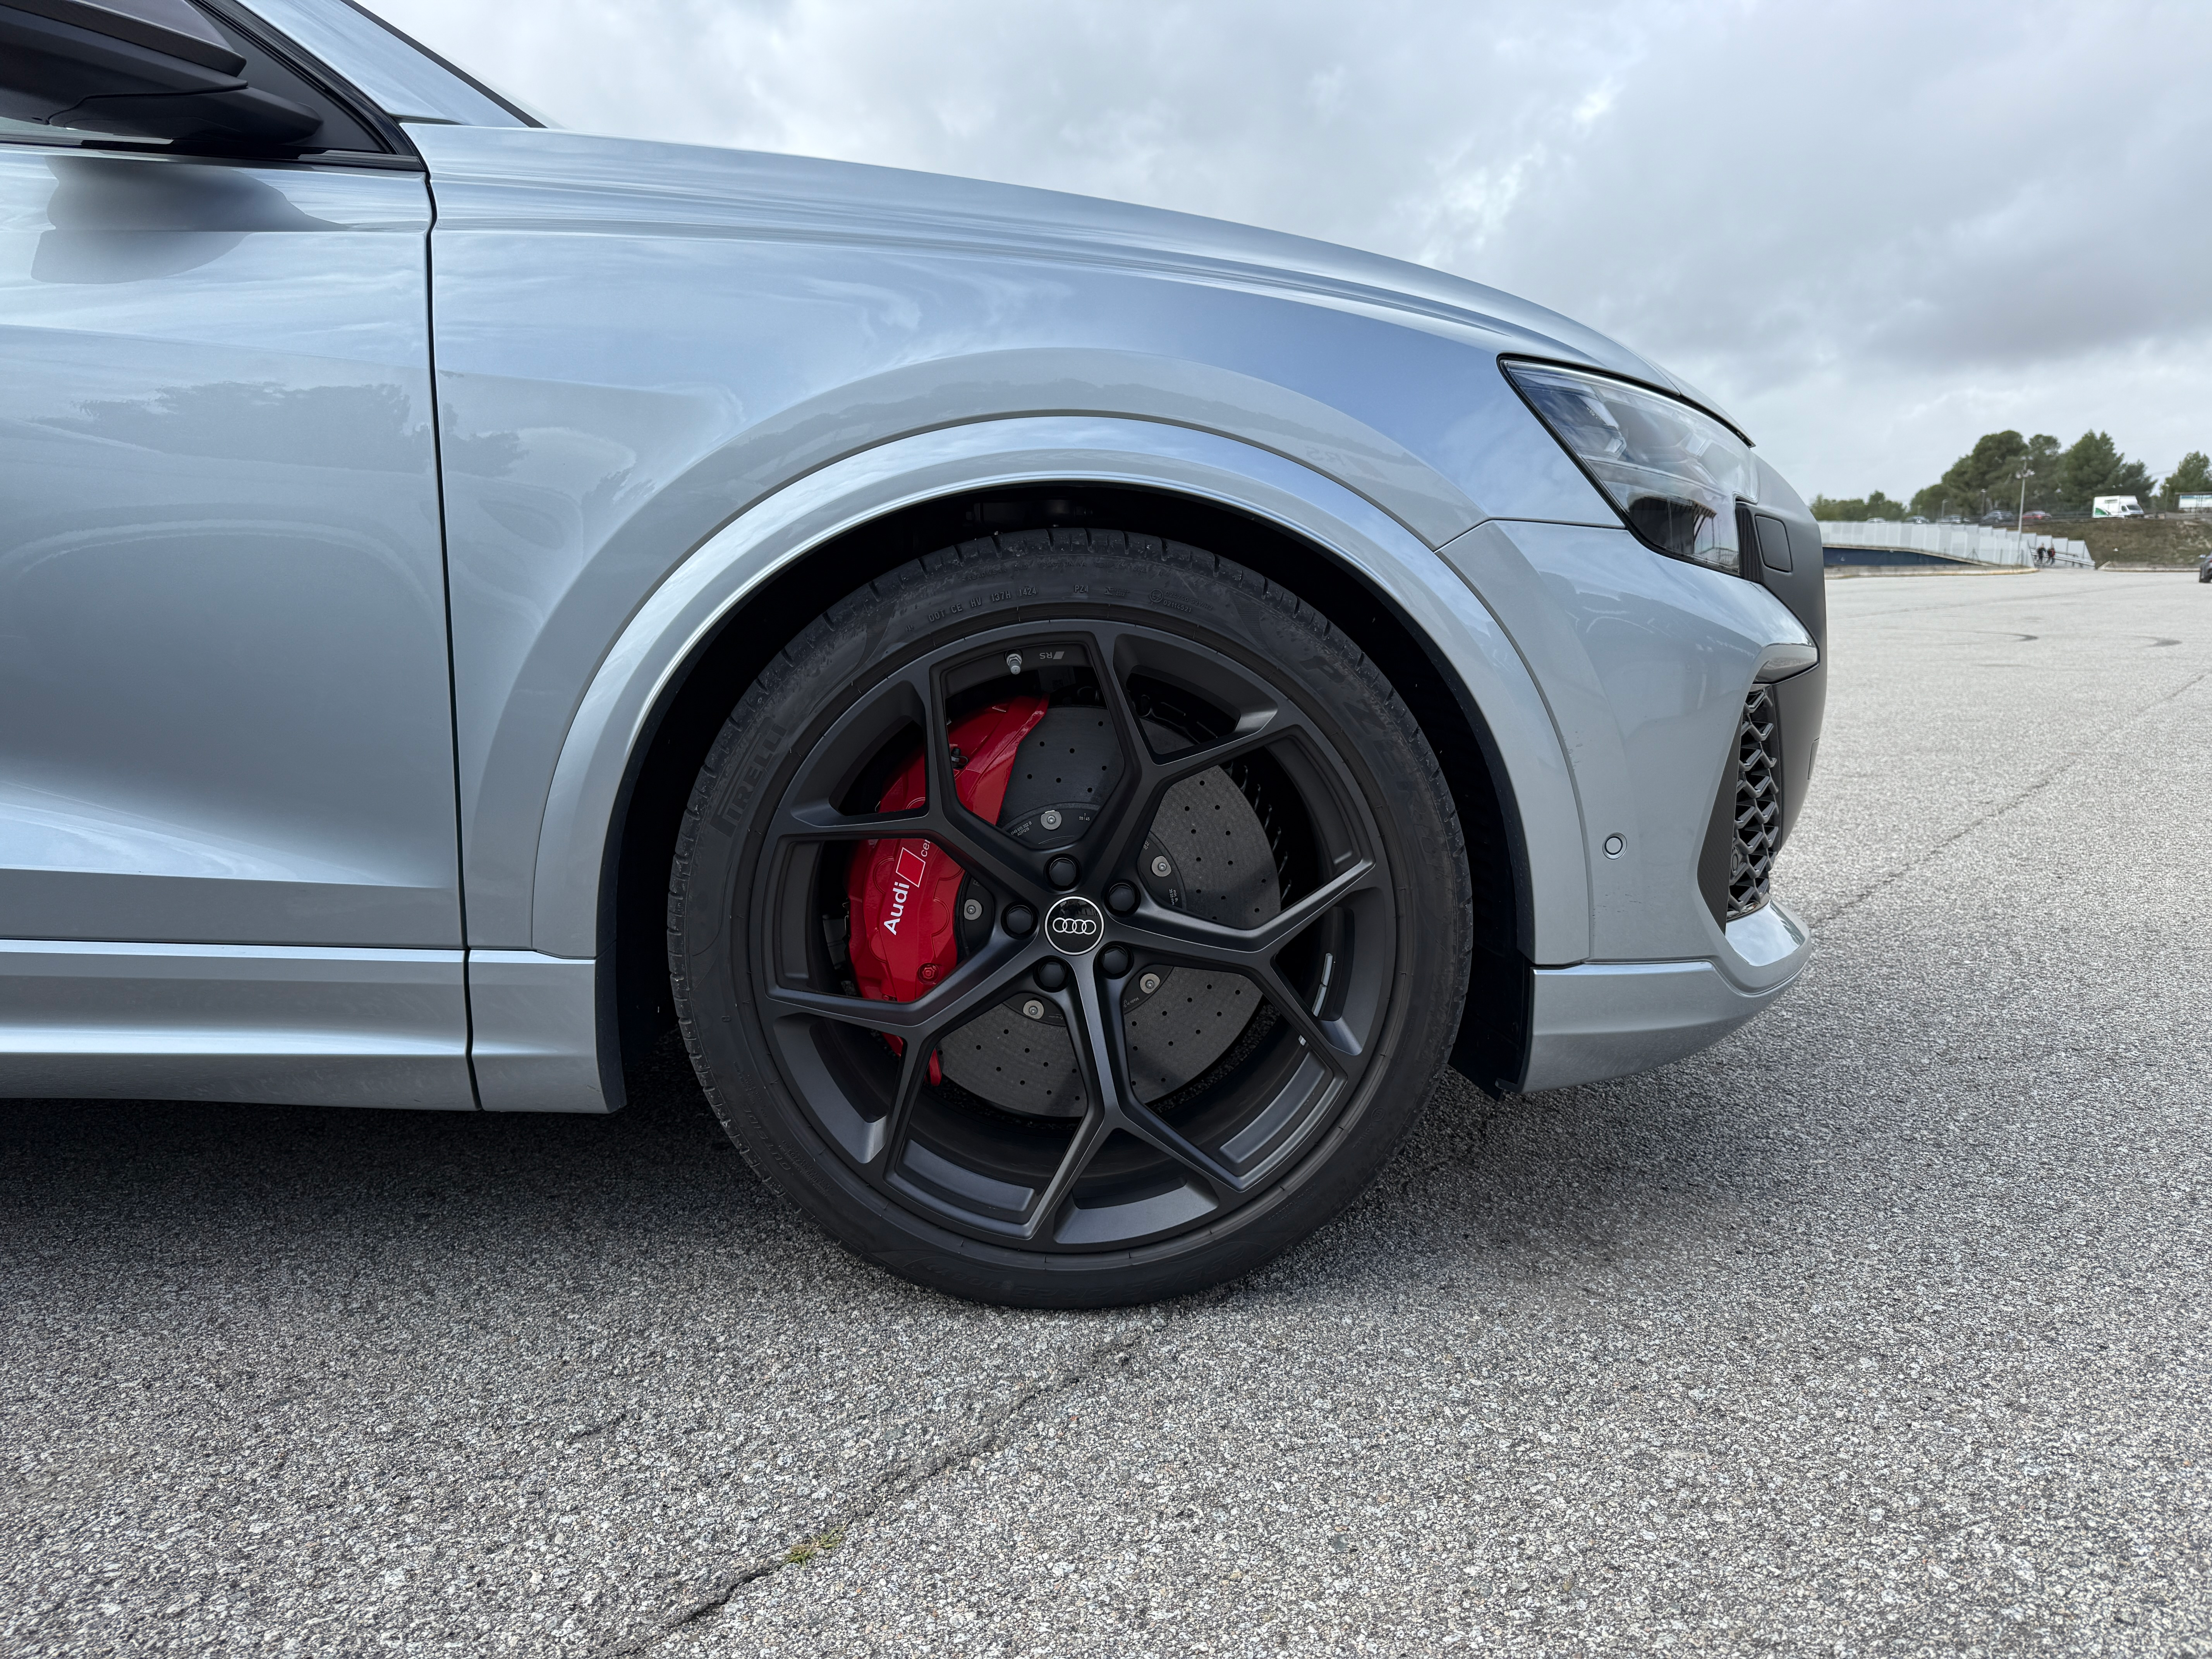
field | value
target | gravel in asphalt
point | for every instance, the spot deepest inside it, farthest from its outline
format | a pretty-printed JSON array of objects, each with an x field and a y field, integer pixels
[{"x": 1881, "y": 1327}]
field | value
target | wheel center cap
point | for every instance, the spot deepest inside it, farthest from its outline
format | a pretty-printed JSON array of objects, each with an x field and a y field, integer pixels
[{"x": 1074, "y": 926}]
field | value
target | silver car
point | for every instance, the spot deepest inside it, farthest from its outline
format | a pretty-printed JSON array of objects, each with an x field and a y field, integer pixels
[{"x": 1075, "y": 714}]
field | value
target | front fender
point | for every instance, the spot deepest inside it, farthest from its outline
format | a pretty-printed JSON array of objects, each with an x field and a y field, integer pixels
[
  {"x": 584, "y": 791},
  {"x": 636, "y": 343}
]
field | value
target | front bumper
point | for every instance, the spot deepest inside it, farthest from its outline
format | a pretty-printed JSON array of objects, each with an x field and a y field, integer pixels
[
  {"x": 1605, "y": 1019},
  {"x": 1647, "y": 664}
]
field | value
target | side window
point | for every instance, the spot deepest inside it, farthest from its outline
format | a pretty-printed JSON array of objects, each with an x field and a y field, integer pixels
[{"x": 163, "y": 74}]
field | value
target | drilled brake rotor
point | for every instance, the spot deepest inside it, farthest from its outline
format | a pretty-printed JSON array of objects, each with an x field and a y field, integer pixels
[
  {"x": 1220, "y": 867},
  {"x": 1207, "y": 854}
]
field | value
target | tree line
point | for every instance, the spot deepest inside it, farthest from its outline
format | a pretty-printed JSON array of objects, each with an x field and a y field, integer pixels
[{"x": 2065, "y": 479}]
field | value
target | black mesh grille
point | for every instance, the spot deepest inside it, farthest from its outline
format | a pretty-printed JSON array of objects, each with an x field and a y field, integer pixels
[{"x": 1757, "y": 804}]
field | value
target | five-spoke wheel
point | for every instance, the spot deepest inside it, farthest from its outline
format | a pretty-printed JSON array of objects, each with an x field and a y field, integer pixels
[{"x": 1089, "y": 949}]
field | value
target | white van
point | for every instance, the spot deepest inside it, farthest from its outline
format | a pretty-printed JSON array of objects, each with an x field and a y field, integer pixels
[{"x": 2115, "y": 506}]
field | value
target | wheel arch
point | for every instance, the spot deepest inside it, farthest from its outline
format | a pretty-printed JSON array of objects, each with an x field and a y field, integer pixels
[{"x": 698, "y": 672}]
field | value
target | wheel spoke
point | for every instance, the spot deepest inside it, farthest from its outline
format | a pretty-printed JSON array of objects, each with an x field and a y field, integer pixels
[
  {"x": 1327, "y": 1041},
  {"x": 897, "y": 703},
  {"x": 1153, "y": 1129},
  {"x": 1095, "y": 1058},
  {"x": 1126, "y": 817},
  {"x": 1124, "y": 826},
  {"x": 807, "y": 815},
  {"x": 1103, "y": 1047},
  {"x": 1262, "y": 729},
  {"x": 1008, "y": 872},
  {"x": 1172, "y": 933},
  {"x": 936, "y": 745},
  {"x": 1122, "y": 652},
  {"x": 819, "y": 821},
  {"x": 1110, "y": 832},
  {"x": 913, "y": 1070},
  {"x": 978, "y": 847},
  {"x": 1090, "y": 1135},
  {"x": 977, "y": 982},
  {"x": 982, "y": 851}
]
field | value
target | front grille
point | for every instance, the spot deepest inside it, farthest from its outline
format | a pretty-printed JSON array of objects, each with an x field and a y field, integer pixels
[{"x": 1757, "y": 811}]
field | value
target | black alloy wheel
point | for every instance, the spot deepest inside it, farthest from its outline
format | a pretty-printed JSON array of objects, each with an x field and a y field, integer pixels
[{"x": 1157, "y": 1015}]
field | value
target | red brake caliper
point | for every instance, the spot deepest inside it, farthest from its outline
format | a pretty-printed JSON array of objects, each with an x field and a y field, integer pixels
[{"x": 904, "y": 893}]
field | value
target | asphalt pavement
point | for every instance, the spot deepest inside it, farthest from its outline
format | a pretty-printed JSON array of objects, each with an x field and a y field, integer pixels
[{"x": 1880, "y": 1329}]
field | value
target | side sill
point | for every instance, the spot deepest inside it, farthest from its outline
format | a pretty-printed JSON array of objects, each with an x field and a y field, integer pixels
[{"x": 278, "y": 1025}]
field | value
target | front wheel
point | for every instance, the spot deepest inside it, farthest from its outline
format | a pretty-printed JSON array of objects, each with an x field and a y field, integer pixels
[{"x": 1069, "y": 918}]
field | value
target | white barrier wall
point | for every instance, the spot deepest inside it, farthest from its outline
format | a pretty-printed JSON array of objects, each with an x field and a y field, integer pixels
[{"x": 1974, "y": 544}]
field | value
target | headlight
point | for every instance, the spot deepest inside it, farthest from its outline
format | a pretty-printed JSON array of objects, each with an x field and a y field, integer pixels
[{"x": 1674, "y": 472}]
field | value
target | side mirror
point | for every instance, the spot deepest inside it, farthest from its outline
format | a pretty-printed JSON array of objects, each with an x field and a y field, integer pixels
[{"x": 150, "y": 68}]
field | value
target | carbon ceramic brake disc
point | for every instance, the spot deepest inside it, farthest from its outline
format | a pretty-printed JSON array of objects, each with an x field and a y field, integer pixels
[
  {"x": 1217, "y": 865},
  {"x": 1223, "y": 869}
]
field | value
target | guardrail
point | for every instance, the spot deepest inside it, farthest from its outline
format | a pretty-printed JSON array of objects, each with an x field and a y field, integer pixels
[{"x": 1964, "y": 543}]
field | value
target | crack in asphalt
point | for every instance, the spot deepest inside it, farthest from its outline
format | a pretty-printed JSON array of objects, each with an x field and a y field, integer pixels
[
  {"x": 1896, "y": 873},
  {"x": 899, "y": 1479}
]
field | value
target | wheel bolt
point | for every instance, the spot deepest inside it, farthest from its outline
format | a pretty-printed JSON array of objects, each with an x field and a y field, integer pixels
[
  {"x": 1051, "y": 975},
  {"x": 1033, "y": 1009},
  {"x": 1149, "y": 983},
  {"x": 1120, "y": 898},
  {"x": 1162, "y": 868},
  {"x": 1063, "y": 871},
  {"x": 972, "y": 911},
  {"x": 1020, "y": 921},
  {"x": 1114, "y": 960}
]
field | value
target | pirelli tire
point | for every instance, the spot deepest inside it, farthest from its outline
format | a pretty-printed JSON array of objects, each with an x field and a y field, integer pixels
[{"x": 1176, "y": 1097}]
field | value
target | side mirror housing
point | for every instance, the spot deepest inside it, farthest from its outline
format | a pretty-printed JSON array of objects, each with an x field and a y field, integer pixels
[{"x": 150, "y": 68}]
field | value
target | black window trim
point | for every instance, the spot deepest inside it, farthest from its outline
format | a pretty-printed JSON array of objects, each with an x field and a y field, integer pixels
[{"x": 399, "y": 153}]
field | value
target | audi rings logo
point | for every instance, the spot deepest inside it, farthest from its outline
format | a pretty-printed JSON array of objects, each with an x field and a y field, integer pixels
[{"x": 1073, "y": 926}]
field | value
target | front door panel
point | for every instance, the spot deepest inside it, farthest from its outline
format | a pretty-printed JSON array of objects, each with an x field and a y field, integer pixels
[{"x": 225, "y": 712}]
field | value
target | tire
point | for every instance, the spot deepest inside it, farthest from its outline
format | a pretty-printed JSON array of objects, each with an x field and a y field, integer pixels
[{"x": 1231, "y": 1035}]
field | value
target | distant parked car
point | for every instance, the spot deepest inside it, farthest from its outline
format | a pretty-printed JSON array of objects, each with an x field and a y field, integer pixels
[
  {"x": 2204, "y": 566},
  {"x": 1917, "y": 518},
  {"x": 2035, "y": 517},
  {"x": 1950, "y": 518},
  {"x": 1996, "y": 515}
]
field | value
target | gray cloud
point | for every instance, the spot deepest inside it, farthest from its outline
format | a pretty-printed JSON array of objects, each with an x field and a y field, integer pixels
[{"x": 1872, "y": 231}]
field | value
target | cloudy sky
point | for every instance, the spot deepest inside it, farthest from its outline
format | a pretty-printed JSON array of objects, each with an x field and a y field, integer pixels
[{"x": 1872, "y": 229}]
